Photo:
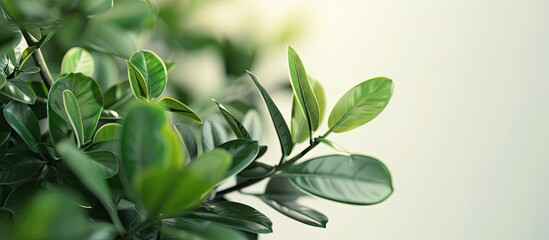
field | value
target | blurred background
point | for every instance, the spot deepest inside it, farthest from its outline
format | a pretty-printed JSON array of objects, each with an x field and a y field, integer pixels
[{"x": 466, "y": 132}]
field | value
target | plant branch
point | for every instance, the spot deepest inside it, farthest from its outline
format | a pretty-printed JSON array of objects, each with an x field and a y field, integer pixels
[{"x": 39, "y": 60}]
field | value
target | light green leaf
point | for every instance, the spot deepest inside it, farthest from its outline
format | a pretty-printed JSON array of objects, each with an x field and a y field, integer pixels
[
  {"x": 78, "y": 60},
  {"x": 25, "y": 55},
  {"x": 137, "y": 82},
  {"x": 213, "y": 135},
  {"x": 17, "y": 168},
  {"x": 107, "y": 132},
  {"x": 303, "y": 91},
  {"x": 187, "y": 136},
  {"x": 95, "y": 7},
  {"x": 178, "y": 107},
  {"x": 88, "y": 97},
  {"x": 355, "y": 179},
  {"x": 22, "y": 119},
  {"x": 202, "y": 230},
  {"x": 153, "y": 70},
  {"x": 279, "y": 123},
  {"x": 19, "y": 90},
  {"x": 171, "y": 191},
  {"x": 243, "y": 151},
  {"x": 108, "y": 39},
  {"x": 72, "y": 110},
  {"x": 361, "y": 104},
  {"x": 91, "y": 175},
  {"x": 234, "y": 215},
  {"x": 300, "y": 128},
  {"x": 105, "y": 72},
  {"x": 106, "y": 162},
  {"x": 236, "y": 126}
]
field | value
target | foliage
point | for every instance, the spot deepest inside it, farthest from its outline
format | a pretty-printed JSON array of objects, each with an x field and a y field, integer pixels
[{"x": 88, "y": 154}]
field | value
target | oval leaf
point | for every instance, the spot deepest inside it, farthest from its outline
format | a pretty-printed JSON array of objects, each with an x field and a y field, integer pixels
[
  {"x": 153, "y": 70},
  {"x": 354, "y": 179},
  {"x": 22, "y": 119},
  {"x": 77, "y": 60},
  {"x": 75, "y": 117},
  {"x": 256, "y": 170},
  {"x": 213, "y": 135},
  {"x": 303, "y": 91},
  {"x": 106, "y": 162},
  {"x": 243, "y": 151},
  {"x": 19, "y": 91},
  {"x": 279, "y": 123},
  {"x": 89, "y": 98},
  {"x": 107, "y": 132},
  {"x": 137, "y": 82},
  {"x": 236, "y": 126},
  {"x": 234, "y": 215},
  {"x": 361, "y": 104},
  {"x": 16, "y": 168},
  {"x": 187, "y": 136},
  {"x": 300, "y": 129},
  {"x": 298, "y": 212},
  {"x": 178, "y": 107}
]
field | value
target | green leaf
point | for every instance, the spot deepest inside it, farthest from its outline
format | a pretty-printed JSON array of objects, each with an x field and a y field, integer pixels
[
  {"x": 184, "y": 229},
  {"x": 30, "y": 71},
  {"x": 187, "y": 136},
  {"x": 78, "y": 60},
  {"x": 355, "y": 179},
  {"x": 107, "y": 132},
  {"x": 243, "y": 151},
  {"x": 171, "y": 191},
  {"x": 236, "y": 126},
  {"x": 298, "y": 212},
  {"x": 53, "y": 216},
  {"x": 19, "y": 90},
  {"x": 105, "y": 72},
  {"x": 144, "y": 143},
  {"x": 253, "y": 123},
  {"x": 213, "y": 135},
  {"x": 5, "y": 129},
  {"x": 17, "y": 168},
  {"x": 153, "y": 69},
  {"x": 95, "y": 7},
  {"x": 361, "y": 104},
  {"x": 88, "y": 96},
  {"x": 178, "y": 107},
  {"x": 91, "y": 175},
  {"x": 2, "y": 80},
  {"x": 137, "y": 82},
  {"x": 20, "y": 196},
  {"x": 281, "y": 127},
  {"x": 106, "y": 162},
  {"x": 74, "y": 116},
  {"x": 6, "y": 217},
  {"x": 108, "y": 39},
  {"x": 300, "y": 129},
  {"x": 22, "y": 119},
  {"x": 303, "y": 91},
  {"x": 256, "y": 170},
  {"x": 25, "y": 55},
  {"x": 234, "y": 215}
]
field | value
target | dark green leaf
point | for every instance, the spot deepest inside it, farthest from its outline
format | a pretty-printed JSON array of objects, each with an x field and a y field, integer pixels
[
  {"x": 178, "y": 107},
  {"x": 243, "y": 151},
  {"x": 233, "y": 215},
  {"x": 17, "y": 168},
  {"x": 257, "y": 170},
  {"x": 72, "y": 111},
  {"x": 303, "y": 91},
  {"x": 354, "y": 179},
  {"x": 5, "y": 130},
  {"x": 187, "y": 136},
  {"x": 236, "y": 126},
  {"x": 107, "y": 132},
  {"x": 19, "y": 91},
  {"x": 153, "y": 70},
  {"x": 106, "y": 162},
  {"x": 184, "y": 229},
  {"x": 21, "y": 118},
  {"x": 87, "y": 93},
  {"x": 78, "y": 60},
  {"x": 2, "y": 80},
  {"x": 213, "y": 135},
  {"x": 299, "y": 126},
  {"x": 281, "y": 127},
  {"x": 6, "y": 217},
  {"x": 361, "y": 104},
  {"x": 298, "y": 212}
]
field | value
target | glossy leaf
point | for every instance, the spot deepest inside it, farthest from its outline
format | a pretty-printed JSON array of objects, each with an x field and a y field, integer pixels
[
  {"x": 187, "y": 136},
  {"x": 236, "y": 126},
  {"x": 22, "y": 119},
  {"x": 5, "y": 129},
  {"x": 303, "y": 92},
  {"x": 72, "y": 111},
  {"x": 234, "y": 215},
  {"x": 19, "y": 91},
  {"x": 25, "y": 55},
  {"x": 17, "y": 168},
  {"x": 279, "y": 123},
  {"x": 361, "y": 104},
  {"x": 106, "y": 162},
  {"x": 243, "y": 152},
  {"x": 257, "y": 170},
  {"x": 2, "y": 80},
  {"x": 137, "y": 82},
  {"x": 88, "y": 97},
  {"x": 354, "y": 179},
  {"x": 153, "y": 70},
  {"x": 183, "y": 229},
  {"x": 298, "y": 212},
  {"x": 91, "y": 175},
  {"x": 78, "y": 60},
  {"x": 213, "y": 135},
  {"x": 171, "y": 191},
  {"x": 178, "y": 107},
  {"x": 107, "y": 132},
  {"x": 299, "y": 126}
]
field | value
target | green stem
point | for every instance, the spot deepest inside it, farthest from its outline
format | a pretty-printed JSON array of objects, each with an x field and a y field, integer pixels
[{"x": 39, "y": 60}]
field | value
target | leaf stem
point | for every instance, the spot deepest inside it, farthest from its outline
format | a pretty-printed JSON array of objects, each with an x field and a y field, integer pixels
[{"x": 39, "y": 59}]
